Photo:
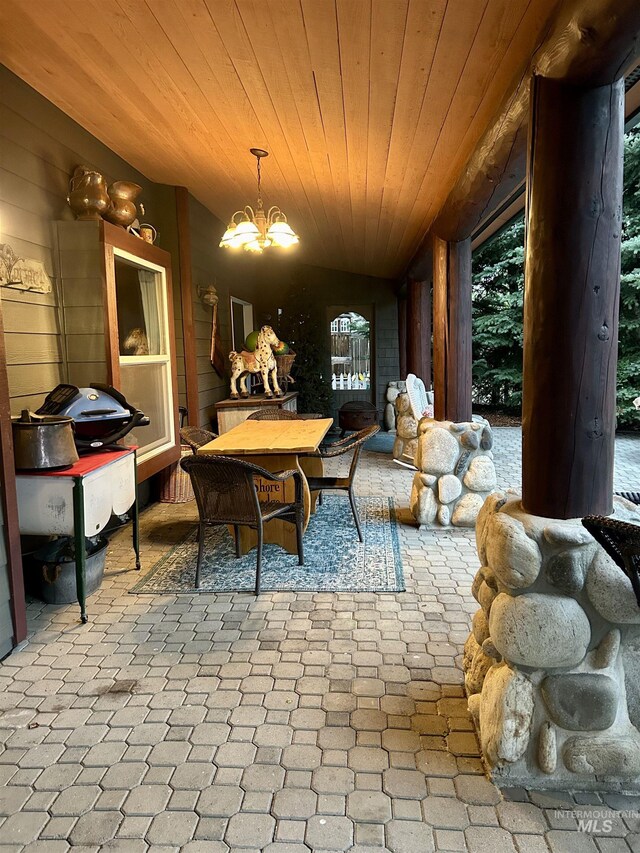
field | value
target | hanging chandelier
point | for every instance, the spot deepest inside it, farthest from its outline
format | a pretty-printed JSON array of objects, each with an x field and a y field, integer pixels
[{"x": 256, "y": 230}]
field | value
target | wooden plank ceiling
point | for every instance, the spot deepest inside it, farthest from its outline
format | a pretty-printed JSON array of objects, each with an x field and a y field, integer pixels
[{"x": 369, "y": 108}]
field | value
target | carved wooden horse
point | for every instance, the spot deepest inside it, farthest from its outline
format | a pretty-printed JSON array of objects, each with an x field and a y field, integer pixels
[{"x": 261, "y": 361}]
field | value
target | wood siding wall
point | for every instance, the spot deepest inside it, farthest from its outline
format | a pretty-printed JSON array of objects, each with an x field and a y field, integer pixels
[{"x": 40, "y": 148}]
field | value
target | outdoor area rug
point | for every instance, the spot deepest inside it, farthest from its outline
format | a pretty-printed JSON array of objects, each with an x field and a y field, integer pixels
[{"x": 335, "y": 560}]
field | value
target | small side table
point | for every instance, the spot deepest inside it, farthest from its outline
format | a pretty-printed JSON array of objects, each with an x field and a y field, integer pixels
[
  {"x": 230, "y": 412},
  {"x": 79, "y": 501}
]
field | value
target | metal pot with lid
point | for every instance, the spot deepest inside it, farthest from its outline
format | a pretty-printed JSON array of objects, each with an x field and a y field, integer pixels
[{"x": 43, "y": 441}]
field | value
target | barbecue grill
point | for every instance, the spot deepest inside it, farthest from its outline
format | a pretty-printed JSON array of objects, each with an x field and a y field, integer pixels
[{"x": 101, "y": 414}]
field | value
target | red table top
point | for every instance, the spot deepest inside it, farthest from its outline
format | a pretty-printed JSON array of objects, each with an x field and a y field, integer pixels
[{"x": 87, "y": 463}]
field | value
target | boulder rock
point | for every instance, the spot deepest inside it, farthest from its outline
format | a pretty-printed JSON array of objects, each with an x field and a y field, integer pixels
[
  {"x": 537, "y": 630},
  {"x": 481, "y": 475},
  {"x": 492, "y": 504},
  {"x": 389, "y": 417},
  {"x": 610, "y": 591},
  {"x": 403, "y": 403},
  {"x": 581, "y": 701},
  {"x": 475, "y": 674},
  {"x": 506, "y": 713},
  {"x": 466, "y": 511},
  {"x": 423, "y": 502},
  {"x": 470, "y": 649},
  {"x": 631, "y": 663},
  {"x": 470, "y": 440},
  {"x": 407, "y": 426},
  {"x": 486, "y": 441},
  {"x": 607, "y": 652},
  {"x": 489, "y": 649},
  {"x": 547, "y": 748},
  {"x": 604, "y": 756},
  {"x": 449, "y": 488},
  {"x": 567, "y": 533},
  {"x": 428, "y": 479},
  {"x": 566, "y": 570},
  {"x": 486, "y": 596},
  {"x": 480, "y": 627},
  {"x": 444, "y": 516},
  {"x": 473, "y": 704},
  {"x": 477, "y": 582},
  {"x": 437, "y": 451},
  {"x": 513, "y": 556}
]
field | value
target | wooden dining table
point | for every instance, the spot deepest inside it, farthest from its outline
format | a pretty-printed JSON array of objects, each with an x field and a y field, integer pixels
[{"x": 276, "y": 446}]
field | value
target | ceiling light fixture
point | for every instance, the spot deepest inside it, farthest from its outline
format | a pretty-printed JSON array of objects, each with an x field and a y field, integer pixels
[{"x": 257, "y": 230}]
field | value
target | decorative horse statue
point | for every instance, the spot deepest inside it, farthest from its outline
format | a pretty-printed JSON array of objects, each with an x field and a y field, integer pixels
[{"x": 261, "y": 361}]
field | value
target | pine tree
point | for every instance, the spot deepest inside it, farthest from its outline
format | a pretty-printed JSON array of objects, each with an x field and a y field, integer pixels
[
  {"x": 629, "y": 329},
  {"x": 303, "y": 326},
  {"x": 498, "y": 285}
]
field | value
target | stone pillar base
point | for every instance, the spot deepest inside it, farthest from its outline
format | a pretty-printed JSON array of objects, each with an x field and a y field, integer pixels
[
  {"x": 455, "y": 472},
  {"x": 552, "y": 665}
]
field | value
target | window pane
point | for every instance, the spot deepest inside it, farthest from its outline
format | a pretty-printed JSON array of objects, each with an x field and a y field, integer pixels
[
  {"x": 138, "y": 299},
  {"x": 146, "y": 386}
]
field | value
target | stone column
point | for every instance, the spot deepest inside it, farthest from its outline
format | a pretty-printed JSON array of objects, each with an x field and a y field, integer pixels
[
  {"x": 572, "y": 288},
  {"x": 452, "y": 332}
]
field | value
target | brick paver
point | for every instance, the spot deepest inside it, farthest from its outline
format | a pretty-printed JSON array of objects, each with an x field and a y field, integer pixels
[{"x": 287, "y": 723}]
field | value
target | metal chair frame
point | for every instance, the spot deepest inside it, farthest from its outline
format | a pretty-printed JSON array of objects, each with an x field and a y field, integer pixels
[
  {"x": 207, "y": 472},
  {"x": 355, "y": 443}
]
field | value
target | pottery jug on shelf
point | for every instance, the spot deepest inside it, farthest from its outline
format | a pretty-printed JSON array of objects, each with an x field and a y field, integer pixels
[
  {"x": 88, "y": 197},
  {"x": 122, "y": 210}
]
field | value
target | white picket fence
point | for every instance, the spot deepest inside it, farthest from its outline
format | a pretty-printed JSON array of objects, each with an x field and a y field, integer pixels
[{"x": 351, "y": 382}]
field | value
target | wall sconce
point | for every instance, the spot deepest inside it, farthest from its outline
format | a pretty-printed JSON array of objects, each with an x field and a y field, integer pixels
[{"x": 207, "y": 294}]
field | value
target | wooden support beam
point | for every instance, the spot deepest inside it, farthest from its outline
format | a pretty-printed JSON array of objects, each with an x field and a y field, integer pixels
[
  {"x": 591, "y": 42},
  {"x": 452, "y": 332},
  {"x": 186, "y": 297},
  {"x": 402, "y": 335},
  {"x": 418, "y": 322},
  {"x": 10, "y": 504},
  {"x": 572, "y": 285}
]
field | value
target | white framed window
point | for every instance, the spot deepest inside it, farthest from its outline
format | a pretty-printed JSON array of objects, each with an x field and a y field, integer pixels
[
  {"x": 145, "y": 354},
  {"x": 345, "y": 324},
  {"x": 241, "y": 322},
  {"x": 334, "y": 327}
]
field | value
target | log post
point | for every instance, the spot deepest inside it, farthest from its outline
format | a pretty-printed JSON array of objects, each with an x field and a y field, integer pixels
[
  {"x": 452, "y": 332},
  {"x": 418, "y": 323},
  {"x": 572, "y": 285},
  {"x": 402, "y": 335}
]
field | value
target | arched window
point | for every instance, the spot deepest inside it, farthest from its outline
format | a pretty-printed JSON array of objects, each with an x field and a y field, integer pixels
[{"x": 350, "y": 351}]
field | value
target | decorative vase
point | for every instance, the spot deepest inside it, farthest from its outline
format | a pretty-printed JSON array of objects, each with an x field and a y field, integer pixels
[
  {"x": 88, "y": 197},
  {"x": 122, "y": 210}
]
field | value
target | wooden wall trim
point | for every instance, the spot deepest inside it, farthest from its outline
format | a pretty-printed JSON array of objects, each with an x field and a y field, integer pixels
[
  {"x": 10, "y": 503},
  {"x": 186, "y": 299}
]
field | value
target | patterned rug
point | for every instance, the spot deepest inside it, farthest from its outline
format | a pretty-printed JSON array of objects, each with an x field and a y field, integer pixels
[{"x": 335, "y": 560}]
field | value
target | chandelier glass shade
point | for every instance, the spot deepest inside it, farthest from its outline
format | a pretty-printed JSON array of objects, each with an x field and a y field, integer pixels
[{"x": 255, "y": 230}]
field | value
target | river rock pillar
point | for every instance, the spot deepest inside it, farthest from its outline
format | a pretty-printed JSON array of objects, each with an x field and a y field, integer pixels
[{"x": 572, "y": 286}]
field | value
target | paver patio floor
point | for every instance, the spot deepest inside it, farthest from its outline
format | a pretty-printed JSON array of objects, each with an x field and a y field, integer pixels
[{"x": 288, "y": 723}]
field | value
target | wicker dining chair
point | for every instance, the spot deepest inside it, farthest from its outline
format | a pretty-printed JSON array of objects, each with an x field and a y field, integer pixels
[
  {"x": 621, "y": 541},
  {"x": 196, "y": 437},
  {"x": 273, "y": 413},
  {"x": 355, "y": 443},
  {"x": 226, "y": 493}
]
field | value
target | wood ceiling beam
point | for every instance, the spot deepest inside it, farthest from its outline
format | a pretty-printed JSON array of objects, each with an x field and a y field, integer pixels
[{"x": 594, "y": 41}]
